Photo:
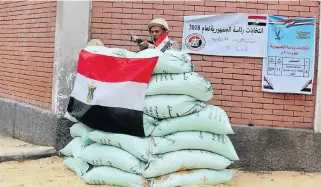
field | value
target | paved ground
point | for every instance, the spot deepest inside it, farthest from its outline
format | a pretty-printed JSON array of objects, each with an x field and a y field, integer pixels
[
  {"x": 13, "y": 149},
  {"x": 50, "y": 171}
]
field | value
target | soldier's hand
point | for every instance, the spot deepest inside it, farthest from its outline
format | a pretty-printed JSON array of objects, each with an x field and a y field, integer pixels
[{"x": 144, "y": 44}]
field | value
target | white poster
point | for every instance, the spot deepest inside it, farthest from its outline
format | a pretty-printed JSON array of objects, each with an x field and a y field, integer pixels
[
  {"x": 226, "y": 35},
  {"x": 289, "y": 66}
]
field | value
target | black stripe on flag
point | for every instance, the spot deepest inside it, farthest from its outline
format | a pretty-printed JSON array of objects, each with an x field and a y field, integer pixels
[
  {"x": 306, "y": 90},
  {"x": 257, "y": 24},
  {"x": 108, "y": 119}
]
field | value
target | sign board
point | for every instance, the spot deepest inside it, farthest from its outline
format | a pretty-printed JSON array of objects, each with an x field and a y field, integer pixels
[
  {"x": 226, "y": 35},
  {"x": 289, "y": 65}
]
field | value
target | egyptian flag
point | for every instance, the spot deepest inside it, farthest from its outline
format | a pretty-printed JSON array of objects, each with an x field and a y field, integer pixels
[
  {"x": 257, "y": 20},
  {"x": 109, "y": 92},
  {"x": 289, "y": 23}
]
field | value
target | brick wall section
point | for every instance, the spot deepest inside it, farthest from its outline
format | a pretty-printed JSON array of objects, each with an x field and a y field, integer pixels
[
  {"x": 27, "y": 34},
  {"x": 236, "y": 81}
]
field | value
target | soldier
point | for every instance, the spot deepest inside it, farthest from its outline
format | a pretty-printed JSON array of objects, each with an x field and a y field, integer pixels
[{"x": 158, "y": 28}]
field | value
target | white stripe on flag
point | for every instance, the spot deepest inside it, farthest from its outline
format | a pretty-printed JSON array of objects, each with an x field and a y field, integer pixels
[
  {"x": 257, "y": 20},
  {"x": 129, "y": 95}
]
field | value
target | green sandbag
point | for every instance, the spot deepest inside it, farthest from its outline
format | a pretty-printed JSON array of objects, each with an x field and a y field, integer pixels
[
  {"x": 139, "y": 147},
  {"x": 169, "y": 62},
  {"x": 211, "y": 119},
  {"x": 81, "y": 130},
  {"x": 77, "y": 165},
  {"x": 113, "y": 176},
  {"x": 194, "y": 177},
  {"x": 219, "y": 144},
  {"x": 74, "y": 147},
  {"x": 159, "y": 165},
  {"x": 191, "y": 84},
  {"x": 104, "y": 155},
  {"x": 149, "y": 124},
  {"x": 170, "y": 106}
]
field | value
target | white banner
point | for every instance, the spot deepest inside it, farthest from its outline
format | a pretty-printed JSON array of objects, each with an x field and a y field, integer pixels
[{"x": 226, "y": 35}]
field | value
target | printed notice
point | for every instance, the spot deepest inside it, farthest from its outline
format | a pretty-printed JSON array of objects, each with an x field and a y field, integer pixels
[
  {"x": 237, "y": 34},
  {"x": 289, "y": 65}
]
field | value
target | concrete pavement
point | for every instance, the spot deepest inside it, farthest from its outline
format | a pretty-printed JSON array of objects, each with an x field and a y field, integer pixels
[{"x": 14, "y": 149}]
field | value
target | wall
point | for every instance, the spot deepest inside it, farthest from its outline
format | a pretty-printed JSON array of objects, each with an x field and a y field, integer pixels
[
  {"x": 27, "y": 37},
  {"x": 27, "y": 33},
  {"x": 39, "y": 52},
  {"x": 236, "y": 81}
]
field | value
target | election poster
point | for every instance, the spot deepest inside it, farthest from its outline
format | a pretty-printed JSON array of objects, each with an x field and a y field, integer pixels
[
  {"x": 236, "y": 34},
  {"x": 289, "y": 65}
]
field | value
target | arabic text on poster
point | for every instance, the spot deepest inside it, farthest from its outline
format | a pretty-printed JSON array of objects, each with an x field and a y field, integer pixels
[
  {"x": 226, "y": 35},
  {"x": 289, "y": 65}
]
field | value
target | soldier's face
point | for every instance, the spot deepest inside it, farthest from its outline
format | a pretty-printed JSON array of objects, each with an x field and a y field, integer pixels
[{"x": 156, "y": 32}]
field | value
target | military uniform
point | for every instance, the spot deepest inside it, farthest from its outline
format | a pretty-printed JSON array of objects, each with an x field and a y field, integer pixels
[{"x": 170, "y": 45}]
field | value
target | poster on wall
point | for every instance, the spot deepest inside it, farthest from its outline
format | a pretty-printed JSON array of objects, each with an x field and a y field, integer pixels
[
  {"x": 289, "y": 65},
  {"x": 237, "y": 34}
]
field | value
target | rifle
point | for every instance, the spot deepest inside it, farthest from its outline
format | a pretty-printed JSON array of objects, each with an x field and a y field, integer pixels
[{"x": 135, "y": 39}]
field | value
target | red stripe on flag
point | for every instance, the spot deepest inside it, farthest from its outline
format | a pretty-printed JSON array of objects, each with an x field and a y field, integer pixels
[
  {"x": 289, "y": 20},
  {"x": 160, "y": 39},
  {"x": 257, "y": 17},
  {"x": 115, "y": 69}
]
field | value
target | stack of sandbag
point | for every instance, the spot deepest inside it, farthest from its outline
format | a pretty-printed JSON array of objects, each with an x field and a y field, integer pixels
[
  {"x": 185, "y": 139},
  {"x": 109, "y": 158},
  {"x": 189, "y": 144}
]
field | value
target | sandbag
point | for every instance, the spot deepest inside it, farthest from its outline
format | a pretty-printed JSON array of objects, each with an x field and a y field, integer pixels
[
  {"x": 74, "y": 147},
  {"x": 77, "y": 165},
  {"x": 211, "y": 119},
  {"x": 194, "y": 177},
  {"x": 139, "y": 147},
  {"x": 104, "y": 155},
  {"x": 219, "y": 144},
  {"x": 169, "y": 106},
  {"x": 169, "y": 62},
  {"x": 191, "y": 84},
  {"x": 183, "y": 56},
  {"x": 149, "y": 124},
  {"x": 115, "y": 52},
  {"x": 113, "y": 176},
  {"x": 184, "y": 160},
  {"x": 81, "y": 130}
]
